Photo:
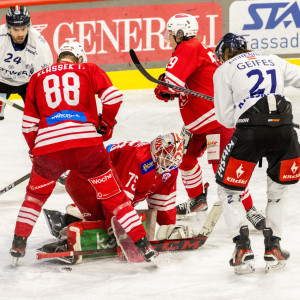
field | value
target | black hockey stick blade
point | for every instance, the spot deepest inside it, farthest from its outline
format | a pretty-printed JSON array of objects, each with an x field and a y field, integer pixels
[
  {"x": 138, "y": 65},
  {"x": 12, "y": 185},
  {"x": 12, "y": 104}
]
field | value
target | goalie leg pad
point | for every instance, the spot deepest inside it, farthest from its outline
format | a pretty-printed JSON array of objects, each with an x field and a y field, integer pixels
[{"x": 173, "y": 232}]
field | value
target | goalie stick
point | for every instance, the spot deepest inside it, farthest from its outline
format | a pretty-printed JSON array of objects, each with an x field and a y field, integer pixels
[
  {"x": 12, "y": 104},
  {"x": 162, "y": 245},
  {"x": 12, "y": 185},
  {"x": 138, "y": 65}
]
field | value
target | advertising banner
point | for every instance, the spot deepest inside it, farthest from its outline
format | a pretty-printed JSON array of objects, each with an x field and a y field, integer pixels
[
  {"x": 268, "y": 26},
  {"x": 109, "y": 33}
]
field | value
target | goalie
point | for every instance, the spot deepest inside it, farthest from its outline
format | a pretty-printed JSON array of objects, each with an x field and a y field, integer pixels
[{"x": 147, "y": 171}]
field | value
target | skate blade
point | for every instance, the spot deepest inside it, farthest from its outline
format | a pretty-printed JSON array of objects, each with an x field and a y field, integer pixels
[
  {"x": 153, "y": 261},
  {"x": 274, "y": 265},
  {"x": 14, "y": 262},
  {"x": 245, "y": 268}
]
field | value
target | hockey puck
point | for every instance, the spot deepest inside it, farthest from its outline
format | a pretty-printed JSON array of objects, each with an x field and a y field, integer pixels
[{"x": 65, "y": 269}]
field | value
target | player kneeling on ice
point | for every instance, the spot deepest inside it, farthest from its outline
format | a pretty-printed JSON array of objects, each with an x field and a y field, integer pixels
[
  {"x": 60, "y": 126},
  {"x": 147, "y": 171},
  {"x": 249, "y": 97}
]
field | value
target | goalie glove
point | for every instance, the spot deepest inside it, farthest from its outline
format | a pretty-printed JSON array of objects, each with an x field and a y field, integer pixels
[
  {"x": 105, "y": 129},
  {"x": 162, "y": 95},
  {"x": 173, "y": 232}
]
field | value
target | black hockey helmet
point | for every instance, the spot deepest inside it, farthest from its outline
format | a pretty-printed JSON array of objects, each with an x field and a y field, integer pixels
[
  {"x": 17, "y": 16},
  {"x": 231, "y": 41}
]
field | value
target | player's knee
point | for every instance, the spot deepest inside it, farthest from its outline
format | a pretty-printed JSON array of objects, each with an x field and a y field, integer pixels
[{"x": 276, "y": 190}]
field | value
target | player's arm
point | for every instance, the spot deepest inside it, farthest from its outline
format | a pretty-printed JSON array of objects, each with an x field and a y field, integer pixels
[
  {"x": 111, "y": 99},
  {"x": 224, "y": 104},
  {"x": 291, "y": 74},
  {"x": 31, "y": 116},
  {"x": 164, "y": 200},
  {"x": 44, "y": 57}
]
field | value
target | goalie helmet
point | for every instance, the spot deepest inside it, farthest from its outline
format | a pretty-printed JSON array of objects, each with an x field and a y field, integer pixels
[
  {"x": 183, "y": 25},
  {"x": 231, "y": 41},
  {"x": 17, "y": 16},
  {"x": 74, "y": 48},
  {"x": 167, "y": 152}
]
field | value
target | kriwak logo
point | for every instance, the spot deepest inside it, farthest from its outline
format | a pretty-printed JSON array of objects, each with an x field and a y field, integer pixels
[{"x": 279, "y": 12}]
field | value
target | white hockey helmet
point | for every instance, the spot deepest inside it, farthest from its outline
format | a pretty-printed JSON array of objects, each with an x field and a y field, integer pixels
[
  {"x": 167, "y": 152},
  {"x": 76, "y": 49},
  {"x": 183, "y": 25}
]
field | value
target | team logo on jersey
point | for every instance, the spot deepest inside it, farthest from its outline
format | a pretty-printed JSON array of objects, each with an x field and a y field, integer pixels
[
  {"x": 165, "y": 177},
  {"x": 289, "y": 169},
  {"x": 148, "y": 166},
  {"x": 66, "y": 115}
]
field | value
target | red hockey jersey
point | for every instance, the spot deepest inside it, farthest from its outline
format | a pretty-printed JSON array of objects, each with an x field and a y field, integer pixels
[
  {"x": 60, "y": 108},
  {"x": 136, "y": 170},
  {"x": 192, "y": 66}
]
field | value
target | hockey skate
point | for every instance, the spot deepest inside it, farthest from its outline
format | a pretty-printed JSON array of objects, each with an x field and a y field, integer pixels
[
  {"x": 18, "y": 248},
  {"x": 242, "y": 258},
  {"x": 146, "y": 250},
  {"x": 59, "y": 246},
  {"x": 274, "y": 256},
  {"x": 256, "y": 218},
  {"x": 57, "y": 221},
  {"x": 196, "y": 204}
]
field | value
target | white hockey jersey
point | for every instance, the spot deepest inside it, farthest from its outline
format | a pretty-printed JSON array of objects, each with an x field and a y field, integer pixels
[
  {"x": 17, "y": 66},
  {"x": 241, "y": 81}
]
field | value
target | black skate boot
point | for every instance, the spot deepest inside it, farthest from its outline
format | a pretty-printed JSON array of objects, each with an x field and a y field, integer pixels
[
  {"x": 146, "y": 250},
  {"x": 18, "y": 248},
  {"x": 198, "y": 203},
  {"x": 242, "y": 258},
  {"x": 56, "y": 221},
  {"x": 59, "y": 246},
  {"x": 274, "y": 256},
  {"x": 256, "y": 218}
]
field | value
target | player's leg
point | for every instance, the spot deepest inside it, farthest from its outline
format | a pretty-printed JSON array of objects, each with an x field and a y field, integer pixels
[
  {"x": 99, "y": 171},
  {"x": 191, "y": 174},
  {"x": 217, "y": 139},
  {"x": 2, "y": 106}
]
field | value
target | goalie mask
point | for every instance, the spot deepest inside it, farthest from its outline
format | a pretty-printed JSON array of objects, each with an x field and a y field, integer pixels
[
  {"x": 183, "y": 26},
  {"x": 231, "y": 41},
  {"x": 167, "y": 152},
  {"x": 17, "y": 16},
  {"x": 74, "y": 48}
]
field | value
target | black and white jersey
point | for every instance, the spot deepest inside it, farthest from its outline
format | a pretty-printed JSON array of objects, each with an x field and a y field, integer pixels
[
  {"x": 17, "y": 66},
  {"x": 241, "y": 81}
]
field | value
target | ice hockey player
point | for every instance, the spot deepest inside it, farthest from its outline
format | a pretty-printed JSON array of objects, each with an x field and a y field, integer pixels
[
  {"x": 192, "y": 65},
  {"x": 249, "y": 97},
  {"x": 147, "y": 171},
  {"x": 23, "y": 51},
  {"x": 60, "y": 126}
]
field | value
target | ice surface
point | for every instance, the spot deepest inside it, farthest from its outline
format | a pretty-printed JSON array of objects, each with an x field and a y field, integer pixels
[{"x": 198, "y": 274}]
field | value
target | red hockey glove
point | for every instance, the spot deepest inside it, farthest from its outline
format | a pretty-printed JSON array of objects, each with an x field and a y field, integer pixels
[
  {"x": 105, "y": 129},
  {"x": 162, "y": 95}
]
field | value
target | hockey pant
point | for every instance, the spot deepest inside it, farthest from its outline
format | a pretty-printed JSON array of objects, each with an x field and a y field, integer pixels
[
  {"x": 93, "y": 164},
  {"x": 214, "y": 142}
]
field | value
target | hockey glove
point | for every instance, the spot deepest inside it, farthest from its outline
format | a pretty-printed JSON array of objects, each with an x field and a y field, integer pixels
[
  {"x": 161, "y": 95},
  {"x": 105, "y": 129}
]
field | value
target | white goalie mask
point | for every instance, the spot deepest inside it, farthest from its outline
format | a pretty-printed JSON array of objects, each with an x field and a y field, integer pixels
[
  {"x": 183, "y": 25},
  {"x": 167, "y": 152},
  {"x": 76, "y": 49}
]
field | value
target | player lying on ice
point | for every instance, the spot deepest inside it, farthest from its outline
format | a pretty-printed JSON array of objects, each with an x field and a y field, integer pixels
[
  {"x": 147, "y": 171},
  {"x": 192, "y": 66},
  {"x": 60, "y": 126},
  {"x": 249, "y": 89}
]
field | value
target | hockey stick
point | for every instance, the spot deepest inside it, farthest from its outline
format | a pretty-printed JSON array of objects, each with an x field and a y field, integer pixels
[
  {"x": 162, "y": 245},
  {"x": 12, "y": 185},
  {"x": 12, "y": 104},
  {"x": 172, "y": 86}
]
